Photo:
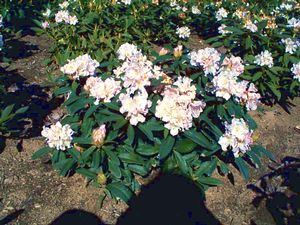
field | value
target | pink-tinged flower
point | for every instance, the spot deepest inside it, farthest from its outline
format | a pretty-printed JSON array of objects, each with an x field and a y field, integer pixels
[
  {"x": 163, "y": 51},
  {"x": 58, "y": 136},
  {"x": 99, "y": 135},
  {"x": 136, "y": 107},
  {"x": 290, "y": 45},
  {"x": 237, "y": 137},
  {"x": 102, "y": 90},
  {"x": 178, "y": 107},
  {"x": 81, "y": 66},
  {"x": 250, "y": 26},
  {"x": 45, "y": 24},
  {"x": 178, "y": 51},
  {"x": 62, "y": 15},
  {"x": 234, "y": 65},
  {"x": 208, "y": 58},
  {"x": 224, "y": 83},
  {"x": 72, "y": 20},
  {"x": 127, "y": 50}
]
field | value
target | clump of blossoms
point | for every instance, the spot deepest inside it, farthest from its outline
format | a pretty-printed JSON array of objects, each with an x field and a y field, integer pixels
[
  {"x": 208, "y": 58},
  {"x": 178, "y": 106},
  {"x": 136, "y": 71},
  {"x": 250, "y": 26},
  {"x": 221, "y": 13},
  {"x": 296, "y": 71},
  {"x": 64, "y": 16},
  {"x": 290, "y": 45},
  {"x": 237, "y": 137},
  {"x": 102, "y": 90},
  {"x": 264, "y": 59},
  {"x": 127, "y": 50},
  {"x": 183, "y": 32},
  {"x": 98, "y": 135},
  {"x": 58, "y": 136},
  {"x": 81, "y": 66},
  {"x": 136, "y": 107}
]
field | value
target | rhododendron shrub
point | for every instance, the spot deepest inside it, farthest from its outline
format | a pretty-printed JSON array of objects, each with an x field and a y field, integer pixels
[
  {"x": 265, "y": 34},
  {"x": 171, "y": 110}
]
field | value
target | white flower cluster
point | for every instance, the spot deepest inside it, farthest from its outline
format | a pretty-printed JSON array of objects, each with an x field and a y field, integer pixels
[
  {"x": 183, "y": 32},
  {"x": 178, "y": 106},
  {"x": 64, "y": 16},
  {"x": 264, "y": 59},
  {"x": 290, "y": 45},
  {"x": 196, "y": 10},
  {"x": 296, "y": 71},
  {"x": 222, "y": 30},
  {"x": 58, "y": 136},
  {"x": 208, "y": 58},
  {"x": 136, "y": 71},
  {"x": 136, "y": 107},
  {"x": 102, "y": 90},
  {"x": 250, "y": 26},
  {"x": 237, "y": 136},
  {"x": 294, "y": 23},
  {"x": 226, "y": 83},
  {"x": 221, "y": 13},
  {"x": 81, "y": 66}
]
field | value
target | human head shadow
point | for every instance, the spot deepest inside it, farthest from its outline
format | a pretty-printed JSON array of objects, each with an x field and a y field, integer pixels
[
  {"x": 34, "y": 96},
  {"x": 169, "y": 199},
  {"x": 282, "y": 198},
  {"x": 77, "y": 217}
]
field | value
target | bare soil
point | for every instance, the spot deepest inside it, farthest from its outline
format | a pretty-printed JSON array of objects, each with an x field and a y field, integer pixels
[{"x": 33, "y": 186}]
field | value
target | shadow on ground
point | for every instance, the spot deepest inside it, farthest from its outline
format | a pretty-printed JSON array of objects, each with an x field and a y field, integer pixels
[
  {"x": 169, "y": 199},
  {"x": 22, "y": 93},
  {"x": 282, "y": 198}
]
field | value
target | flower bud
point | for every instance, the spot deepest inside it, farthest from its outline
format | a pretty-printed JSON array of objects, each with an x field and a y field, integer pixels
[
  {"x": 99, "y": 135},
  {"x": 178, "y": 51},
  {"x": 101, "y": 178}
]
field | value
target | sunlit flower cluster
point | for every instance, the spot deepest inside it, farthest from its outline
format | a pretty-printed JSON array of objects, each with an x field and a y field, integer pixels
[
  {"x": 136, "y": 107},
  {"x": 178, "y": 106},
  {"x": 250, "y": 26},
  {"x": 237, "y": 137},
  {"x": 58, "y": 136},
  {"x": 183, "y": 32},
  {"x": 127, "y": 50},
  {"x": 264, "y": 59},
  {"x": 81, "y": 66},
  {"x": 64, "y": 16},
  {"x": 137, "y": 71},
  {"x": 208, "y": 58},
  {"x": 102, "y": 90},
  {"x": 221, "y": 13},
  {"x": 296, "y": 71},
  {"x": 290, "y": 45}
]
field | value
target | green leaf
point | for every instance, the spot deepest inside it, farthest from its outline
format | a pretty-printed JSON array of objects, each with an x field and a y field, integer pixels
[
  {"x": 86, "y": 154},
  {"x": 166, "y": 147},
  {"x": 130, "y": 135},
  {"x": 119, "y": 190},
  {"x": 87, "y": 173},
  {"x": 5, "y": 113},
  {"x": 259, "y": 148},
  {"x": 131, "y": 158},
  {"x": 22, "y": 110},
  {"x": 115, "y": 169},
  {"x": 141, "y": 170},
  {"x": 146, "y": 131},
  {"x": 185, "y": 146},
  {"x": 181, "y": 163},
  {"x": 209, "y": 181},
  {"x": 82, "y": 140},
  {"x": 41, "y": 152},
  {"x": 112, "y": 156},
  {"x": 243, "y": 168},
  {"x": 147, "y": 150},
  {"x": 199, "y": 139}
]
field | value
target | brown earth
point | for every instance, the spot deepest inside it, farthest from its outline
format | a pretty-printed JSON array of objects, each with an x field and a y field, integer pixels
[{"x": 33, "y": 186}]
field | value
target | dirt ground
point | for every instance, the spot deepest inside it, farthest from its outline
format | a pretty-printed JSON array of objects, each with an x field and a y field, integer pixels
[{"x": 34, "y": 187}]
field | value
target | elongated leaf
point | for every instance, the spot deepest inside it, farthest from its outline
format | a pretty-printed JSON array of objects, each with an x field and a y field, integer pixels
[
  {"x": 41, "y": 152},
  {"x": 87, "y": 173},
  {"x": 181, "y": 163},
  {"x": 243, "y": 168},
  {"x": 119, "y": 190},
  {"x": 166, "y": 147}
]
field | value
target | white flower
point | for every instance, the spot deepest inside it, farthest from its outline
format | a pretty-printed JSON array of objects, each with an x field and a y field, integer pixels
[
  {"x": 178, "y": 107},
  {"x": 237, "y": 136},
  {"x": 47, "y": 13},
  {"x": 295, "y": 23},
  {"x": 296, "y": 71},
  {"x": 58, "y": 136},
  {"x": 45, "y": 24},
  {"x": 64, "y": 5},
  {"x": 136, "y": 107},
  {"x": 126, "y": 2},
  {"x": 221, "y": 13},
  {"x": 81, "y": 66},
  {"x": 290, "y": 45},
  {"x": 223, "y": 84},
  {"x": 72, "y": 20},
  {"x": 222, "y": 30},
  {"x": 183, "y": 32},
  {"x": 264, "y": 59},
  {"x": 126, "y": 50},
  {"x": 61, "y": 16},
  {"x": 195, "y": 10},
  {"x": 102, "y": 90},
  {"x": 250, "y": 26},
  {"x": 208, "y": 58}
]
